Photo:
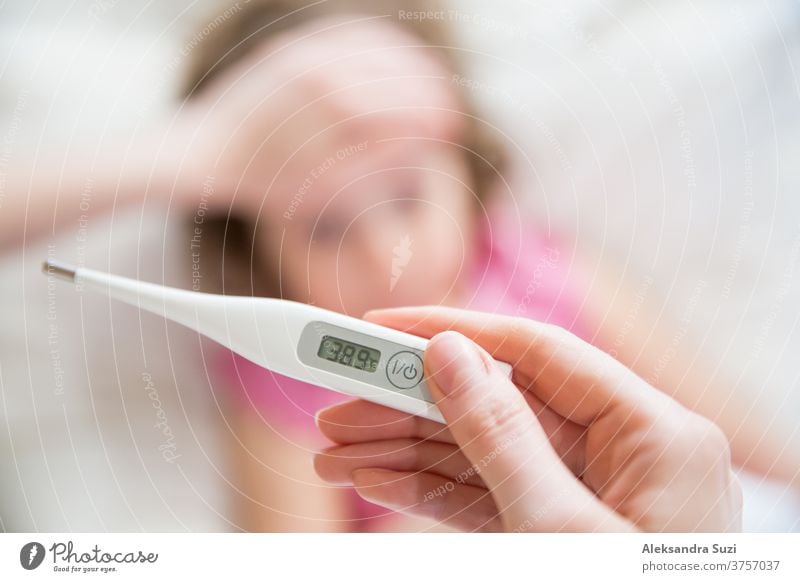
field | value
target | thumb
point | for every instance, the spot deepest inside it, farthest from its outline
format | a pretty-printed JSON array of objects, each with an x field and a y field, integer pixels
[{"x": 502, "y": 438}]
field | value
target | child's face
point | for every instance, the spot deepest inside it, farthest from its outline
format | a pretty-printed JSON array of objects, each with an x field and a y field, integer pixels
[
  {"x": 350, "y": 127},
  {"x": 372, "y": 225}
]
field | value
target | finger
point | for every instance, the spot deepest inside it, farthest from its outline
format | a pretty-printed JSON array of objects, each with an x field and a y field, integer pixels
[
  {"x": 488, "y": 417},
  {"x": 499, "y": 433},
  {"x": 566, "y": 437},
  {"x": 577, "y": 380},
  {"x": 358, "y": 421},
  {"x": 463, "y": 507},
  {"x": 336, "y": 464}
]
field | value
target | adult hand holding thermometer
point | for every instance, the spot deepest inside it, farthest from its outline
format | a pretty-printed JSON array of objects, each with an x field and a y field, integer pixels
[
  {"x": 314, "y": 345},
  {"x": 577, "y": 442}
]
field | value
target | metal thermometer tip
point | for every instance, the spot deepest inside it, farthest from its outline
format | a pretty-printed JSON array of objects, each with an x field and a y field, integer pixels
[{"x": 59, "y": 269}]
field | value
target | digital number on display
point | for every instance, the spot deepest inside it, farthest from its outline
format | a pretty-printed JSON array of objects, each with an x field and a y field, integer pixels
[{"x": 347, "y": 353}]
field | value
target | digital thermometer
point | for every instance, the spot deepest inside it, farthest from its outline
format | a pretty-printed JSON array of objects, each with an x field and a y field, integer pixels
[{"x": 304, "y": 342}]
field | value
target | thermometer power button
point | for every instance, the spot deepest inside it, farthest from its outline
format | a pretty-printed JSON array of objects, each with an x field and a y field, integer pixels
[{"x": 404, "y": 370}]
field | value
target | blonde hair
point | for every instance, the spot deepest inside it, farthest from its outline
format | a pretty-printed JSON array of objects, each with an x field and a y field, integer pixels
[{"x": 232, "y": 262}]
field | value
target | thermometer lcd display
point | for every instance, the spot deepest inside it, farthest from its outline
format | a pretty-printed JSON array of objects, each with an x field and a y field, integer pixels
[{"x": 348, "y": 353}]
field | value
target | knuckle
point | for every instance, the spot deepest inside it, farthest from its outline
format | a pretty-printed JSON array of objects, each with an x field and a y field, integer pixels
[
  {"x": 496, "y": 420},
  {"x": 529, "y": 328},
  {"x": 547, "y": 336},
  {"x": 558, "y": 334},
  {"x": 702, "y": 442},
  {"x": 712, "y": 439}
]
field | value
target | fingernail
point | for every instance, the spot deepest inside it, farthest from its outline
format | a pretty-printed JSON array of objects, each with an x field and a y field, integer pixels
[
  {"x": 384, "y": 313},
  {"x": 366, "y": 479},
  {"x": 453, "y": 361},
  {"x": 320, "y": 414}
]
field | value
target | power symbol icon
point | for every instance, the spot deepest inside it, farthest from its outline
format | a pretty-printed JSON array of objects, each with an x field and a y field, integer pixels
[{"x": 404, "y": 370}]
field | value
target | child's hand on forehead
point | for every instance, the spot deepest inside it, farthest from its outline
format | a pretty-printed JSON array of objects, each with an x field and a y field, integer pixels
[{"x": 311, "y": 91}]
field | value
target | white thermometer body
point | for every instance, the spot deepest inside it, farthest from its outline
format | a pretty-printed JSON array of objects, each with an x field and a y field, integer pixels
[{"x": 314, "y": 345}]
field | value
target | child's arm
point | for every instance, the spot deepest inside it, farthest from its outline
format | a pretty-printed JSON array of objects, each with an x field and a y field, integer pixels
[
  {"x": 660, "y": 348},
  {"x": 44, "y": 193}
]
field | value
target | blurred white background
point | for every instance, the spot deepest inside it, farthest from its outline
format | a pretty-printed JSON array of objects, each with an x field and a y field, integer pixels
[{"x": 663, "y": 136}]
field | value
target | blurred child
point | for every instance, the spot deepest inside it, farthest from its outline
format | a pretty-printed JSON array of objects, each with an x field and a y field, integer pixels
[
  {"x": 376, "y": 179},
  {"x": 361, "y": 177}
]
